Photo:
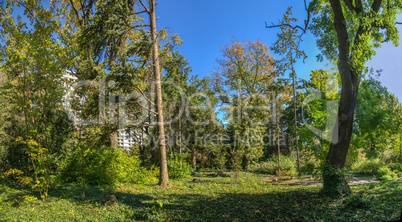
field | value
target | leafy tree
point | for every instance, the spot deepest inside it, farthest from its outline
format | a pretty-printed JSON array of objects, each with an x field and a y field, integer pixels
[
  {"x": 371, "y": 113},
  {"x": 244, "y": 75},
  {"x": 33, "y": 61},
  {"x": 348, "y": 32}
]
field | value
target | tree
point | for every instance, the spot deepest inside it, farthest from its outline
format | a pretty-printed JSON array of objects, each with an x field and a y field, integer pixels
[
  {"x": 115, "y": 48},
  {"x": 244, "y": 74},
  {"x": 34, "y": 62},
  {"x": 164, "y": 177},
  {"x": 371, "y": 113},
  {"x": 288, "y": 45},
  {"x": 348, "y": 32}
]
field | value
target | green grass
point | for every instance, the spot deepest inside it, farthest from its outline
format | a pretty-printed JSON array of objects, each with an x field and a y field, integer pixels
[{"x": 214, "y": 199}]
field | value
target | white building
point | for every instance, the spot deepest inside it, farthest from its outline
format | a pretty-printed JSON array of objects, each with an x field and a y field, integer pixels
[{"x": 124, "y": 139}]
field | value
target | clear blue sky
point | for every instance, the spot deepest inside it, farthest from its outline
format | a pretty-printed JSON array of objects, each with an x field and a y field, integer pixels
[{"x": 204, "y": 26}]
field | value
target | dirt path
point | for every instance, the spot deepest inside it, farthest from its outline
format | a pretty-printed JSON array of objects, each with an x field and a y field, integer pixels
[{"x": 310, "y": 181}]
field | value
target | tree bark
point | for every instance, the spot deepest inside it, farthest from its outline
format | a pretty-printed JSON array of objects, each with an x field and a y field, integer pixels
[
  {"x": 164, "y": 177},
  {"x": 278, "y": 134},
  {"x": 295, "y": 117},
  {"x": 113, "y": 140},
  {"x": 193, "y": 158},
  {"x": 335, "y": 183},
  {"x": 400, "y": 148}
]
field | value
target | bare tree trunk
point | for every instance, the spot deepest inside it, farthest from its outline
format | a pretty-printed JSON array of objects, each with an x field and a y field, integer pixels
[
  {"x": 171, "y": 132},
  {"x": 180, "y": 145},
  {"x": 47, "y": 146},
  {"x": 164, "y": 177},
  {"x": 277, "y": 133},
  {"x": 82, "y": 162},
  {"x": 400, "y": 148},
  {"x": 113, "y": 140},
  {"x": 193, "y": 158},
  {"x": 295, "y": 116}
]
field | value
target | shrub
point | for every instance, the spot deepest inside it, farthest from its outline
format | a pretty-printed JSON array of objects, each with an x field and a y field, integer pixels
[
  {"x": 309, "y": 164},
  {"x": 396, "y": 167},
  {"x": 357, "y": 201},
  {"x": 179, "y": 170},
  {"x": 253, "y": 167},
  {"x": 271, "y": 166},
  {"x": 106, "y": 166},
  {"x": 367, "y": 166},
  {"x": 17, "y": 177},
  {"x": 385, "y": 173}
]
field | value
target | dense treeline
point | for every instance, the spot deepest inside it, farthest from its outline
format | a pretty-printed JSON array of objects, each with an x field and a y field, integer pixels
[{"x": 252, "y": 113}]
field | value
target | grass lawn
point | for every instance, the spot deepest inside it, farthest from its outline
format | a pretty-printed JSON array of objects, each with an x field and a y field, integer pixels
[{"x": 213, "y": 199}]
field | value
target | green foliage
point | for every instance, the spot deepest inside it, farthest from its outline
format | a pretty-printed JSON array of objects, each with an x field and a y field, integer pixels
[
  {"x": 214, "y": 198},
  {"x": 178, "y": 168},
  {"x": 106, "y": 166},
  {"x": 369, "y": 166},
  {"x": 357, "y": 201},
  {"x": 310, "y": 164},
  {"x": 397, "y": 167},
  {"x": 385, "y": 173},
  {"x": 335, "y": 184},
  {"x": 18, "y": 178},
  {"x": 270, "y": 166}
]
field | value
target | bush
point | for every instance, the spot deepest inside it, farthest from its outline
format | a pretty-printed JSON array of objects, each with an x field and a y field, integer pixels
[
  {"x": 179, "y": 170},
  {"x": 106, "y": 166},
  {"x": 385, "y": 173},
  {"x": 271, "y": 166},
  {"x": 369, "y": 166},
  {"x": 309, "y": 164},
  {"x": 396, "y": 167}
]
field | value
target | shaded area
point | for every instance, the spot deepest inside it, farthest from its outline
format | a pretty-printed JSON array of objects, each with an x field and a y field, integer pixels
[{"x": 215, "y": 199}]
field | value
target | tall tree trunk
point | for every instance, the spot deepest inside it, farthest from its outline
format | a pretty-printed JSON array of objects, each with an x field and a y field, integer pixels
[
  {"x": 47, "y": 146},
  {"x": 113, "y": 140},
  {"x": 82, "y": 161},
  {"x": 334, "y": 181},
  {"x": 193, "y": 158},
  {"x": 170, "y": 131},
  {"x": 277, "y": 134},
  {"x": 295, "y": 117},
  {"x": 164, "y": 177},
  {"x": 180, "y": 145},
  {"x": 400, "y": 148}
]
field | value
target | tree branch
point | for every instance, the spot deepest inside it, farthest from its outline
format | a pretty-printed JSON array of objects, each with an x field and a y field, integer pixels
[
  {"x": 376, "y": 5},
  {"x": 140, "y": 12},
  {"x": 145, "y": 7},
  {"x": 350, "y": 6},
  {"x": 282, "y": 25},
  {"x": 76, "y": 12},
  {"x": 142, "y": 92},
  {"x": 306, "y": 22},
  {"x": 146, "y": 108},
  {"x": 30, "y": 12}
]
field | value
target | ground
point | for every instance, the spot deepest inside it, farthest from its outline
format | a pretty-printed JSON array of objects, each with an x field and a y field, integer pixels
[
  {"x": 207, "y": 199},
  {"x": 310, "y": 181}
]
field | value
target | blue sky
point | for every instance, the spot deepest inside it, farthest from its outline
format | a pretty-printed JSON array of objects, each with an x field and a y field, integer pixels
[{"x": 205, "y": 26}]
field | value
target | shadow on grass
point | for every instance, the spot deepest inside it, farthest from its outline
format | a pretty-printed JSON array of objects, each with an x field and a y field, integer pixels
[{"x": 277, "y": 205}]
